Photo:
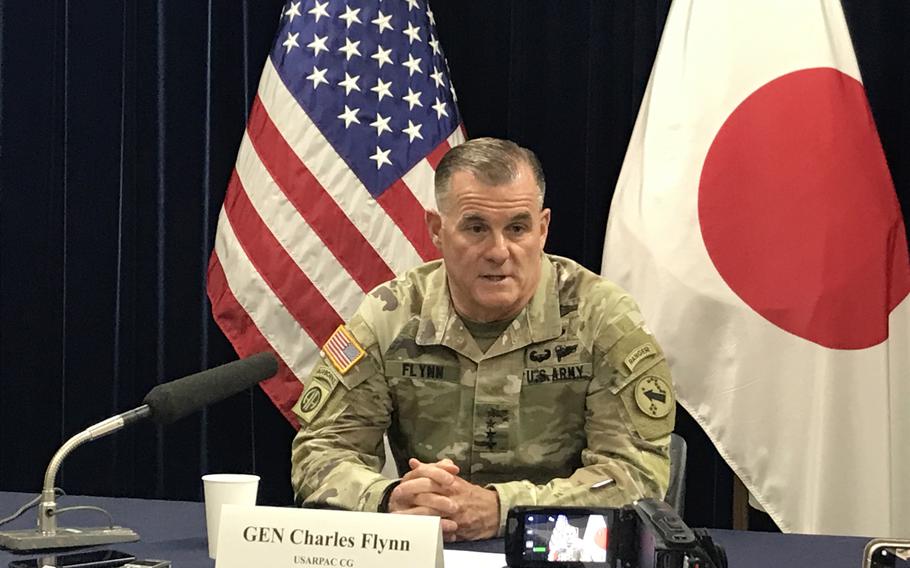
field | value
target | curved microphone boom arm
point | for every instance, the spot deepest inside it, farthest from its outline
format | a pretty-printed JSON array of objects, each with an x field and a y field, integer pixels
[
  {"x": 47, "y": 509},
  {"x": 166, "y": 403}
]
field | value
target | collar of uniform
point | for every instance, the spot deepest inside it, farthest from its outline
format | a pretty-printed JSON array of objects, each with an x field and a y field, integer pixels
[
  {"x": 437, "y": 311},
  {"x": 538, "y": 321}
]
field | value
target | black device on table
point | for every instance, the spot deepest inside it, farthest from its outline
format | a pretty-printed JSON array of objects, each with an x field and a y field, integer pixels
[
  {"x": 88, "y": 559},
  {"x": 648, "y": 534}
]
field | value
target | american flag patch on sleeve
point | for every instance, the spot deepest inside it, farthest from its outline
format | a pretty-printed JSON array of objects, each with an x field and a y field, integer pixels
[{"x": 343, "y": 350}]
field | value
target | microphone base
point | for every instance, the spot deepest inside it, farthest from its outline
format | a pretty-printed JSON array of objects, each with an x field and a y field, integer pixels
[{"x": 65, "y": 537}]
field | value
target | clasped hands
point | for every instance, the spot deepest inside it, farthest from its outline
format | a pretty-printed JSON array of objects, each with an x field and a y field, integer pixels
[{"x": 468, "y": 511}]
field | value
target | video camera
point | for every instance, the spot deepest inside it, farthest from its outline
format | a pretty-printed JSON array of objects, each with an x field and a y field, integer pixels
[{"x": 648, "y": 534}]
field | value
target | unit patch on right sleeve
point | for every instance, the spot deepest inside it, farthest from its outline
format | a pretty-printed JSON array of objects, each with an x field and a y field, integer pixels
[
  {"x": 321, "y": 384},
  {"x": 312, "y": 399}
]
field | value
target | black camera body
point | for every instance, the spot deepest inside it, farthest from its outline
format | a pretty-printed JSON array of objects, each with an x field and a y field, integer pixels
[{"x": 648, "y": 534}]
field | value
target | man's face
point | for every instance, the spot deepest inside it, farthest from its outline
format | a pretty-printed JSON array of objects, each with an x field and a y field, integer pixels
[{"x": 491, "y": 238}]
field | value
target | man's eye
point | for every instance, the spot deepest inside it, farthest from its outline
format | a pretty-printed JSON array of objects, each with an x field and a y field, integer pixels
[
  {"x": 476, "y": 229},
  {"x": 518, "y": 229}
]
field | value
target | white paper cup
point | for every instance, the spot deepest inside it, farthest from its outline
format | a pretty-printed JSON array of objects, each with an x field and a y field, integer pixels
[{"x": 224, "y": 488}]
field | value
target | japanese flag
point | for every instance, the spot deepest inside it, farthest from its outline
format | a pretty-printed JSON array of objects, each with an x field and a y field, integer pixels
[{"x": 756, "y": 223}]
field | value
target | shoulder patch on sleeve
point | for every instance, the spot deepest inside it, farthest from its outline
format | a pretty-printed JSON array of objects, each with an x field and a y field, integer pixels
[
  {"x": 319, "y": 387},
  {"x": 651, "y": 405},
  {"x": 343, "y": 350},
  {"x": 311, "y": 401},
  {"x": 654, "y": 396},
  {"x": 639, "y": 353}
]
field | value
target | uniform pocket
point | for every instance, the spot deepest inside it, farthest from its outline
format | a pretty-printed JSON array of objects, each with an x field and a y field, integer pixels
[
  {"x": 428, "y": 414},
  {"x": 551, "y": 425}
]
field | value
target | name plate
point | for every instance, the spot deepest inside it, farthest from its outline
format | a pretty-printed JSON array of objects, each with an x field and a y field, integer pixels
[{"x": 279, "y": 537}]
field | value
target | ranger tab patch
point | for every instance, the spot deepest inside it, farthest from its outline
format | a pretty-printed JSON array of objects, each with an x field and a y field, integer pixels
[
  {"x": 343, "y": 350},
  {"x": 639, "y": 353}
]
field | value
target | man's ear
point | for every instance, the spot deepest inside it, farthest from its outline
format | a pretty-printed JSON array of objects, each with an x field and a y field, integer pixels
[
  {"x": 434, "y": 225},
  {"x": 544, "y": 227}
]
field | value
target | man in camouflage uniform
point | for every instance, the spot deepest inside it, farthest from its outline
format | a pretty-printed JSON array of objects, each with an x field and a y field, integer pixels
[{"x": 502, "y": 375}]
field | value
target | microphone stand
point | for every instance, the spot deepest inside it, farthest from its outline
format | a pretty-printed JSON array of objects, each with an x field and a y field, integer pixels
[{"x": 48, "y": 534}]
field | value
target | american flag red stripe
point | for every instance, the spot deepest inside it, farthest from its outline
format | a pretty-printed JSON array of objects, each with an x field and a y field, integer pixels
[
  {"x": 242, "y": 331},
  {"x": 312, "y": 218},
  {"x": 292, "y": 287},
  {"x": 407, "y": 212},
  {"x": 316, "y": 207},
  {"x": 436, "y": 155},
  {"x": 336, "y": 177}
]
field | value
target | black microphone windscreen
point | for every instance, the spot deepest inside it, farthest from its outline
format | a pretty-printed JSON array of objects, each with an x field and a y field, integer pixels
[{"x": 174, "y": 400}]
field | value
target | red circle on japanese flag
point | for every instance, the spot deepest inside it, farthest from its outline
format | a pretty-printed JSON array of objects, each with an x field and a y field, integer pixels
[{"x": 798, "y": 212}]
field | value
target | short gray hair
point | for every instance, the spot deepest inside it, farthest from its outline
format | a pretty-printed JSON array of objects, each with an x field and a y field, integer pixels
[{"x": 491, "y": 160}]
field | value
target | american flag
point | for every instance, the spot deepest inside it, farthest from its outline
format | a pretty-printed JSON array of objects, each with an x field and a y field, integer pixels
[
  {"x": 353, "y": 113},
  {"x": 342, "y": 350}
]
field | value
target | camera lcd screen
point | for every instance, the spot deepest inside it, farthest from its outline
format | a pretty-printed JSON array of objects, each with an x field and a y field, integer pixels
[{"x": 565, "y": 537}]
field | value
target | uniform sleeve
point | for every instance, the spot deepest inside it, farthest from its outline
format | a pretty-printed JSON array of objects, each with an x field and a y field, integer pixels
[
  {"x": 338, "y": 452},
  {"x": 630, "y": 410}
]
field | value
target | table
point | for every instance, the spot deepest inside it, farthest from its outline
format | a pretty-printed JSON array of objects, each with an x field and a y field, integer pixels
[
  {"x": 168, "y": 530},
  {"x": 175, "y": 531}
]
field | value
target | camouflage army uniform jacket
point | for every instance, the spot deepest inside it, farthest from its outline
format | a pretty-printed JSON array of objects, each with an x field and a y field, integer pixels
[{"x": 572, "y": 404}]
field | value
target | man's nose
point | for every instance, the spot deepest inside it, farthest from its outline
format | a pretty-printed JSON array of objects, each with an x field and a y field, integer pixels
[{"x": 498, "y": 250}]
